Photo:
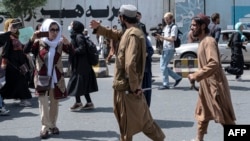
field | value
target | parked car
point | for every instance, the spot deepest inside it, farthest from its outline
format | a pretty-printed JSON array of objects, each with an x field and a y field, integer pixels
[{"x": 189, "y": 50}]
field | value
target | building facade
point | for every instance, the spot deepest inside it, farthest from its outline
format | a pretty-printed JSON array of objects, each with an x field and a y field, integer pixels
[{"x": 152, "y": 11}]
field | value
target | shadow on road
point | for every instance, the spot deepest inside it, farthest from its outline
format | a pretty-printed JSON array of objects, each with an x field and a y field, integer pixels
[
  {"x": 86, "y": 135},
  {"x": 70, "y": 135},
  {"x": 173, "y": 124},
  {"x": 239, "y": 88}
]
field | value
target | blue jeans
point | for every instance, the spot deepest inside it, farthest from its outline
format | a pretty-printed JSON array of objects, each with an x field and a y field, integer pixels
[{"x": 167, "y": 55}]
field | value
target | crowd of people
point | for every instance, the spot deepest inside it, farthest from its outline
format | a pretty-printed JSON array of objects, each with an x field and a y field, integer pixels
[{"x": 133, "y": 51}]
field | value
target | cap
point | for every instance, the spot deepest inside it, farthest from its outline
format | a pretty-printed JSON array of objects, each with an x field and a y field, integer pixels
[
  {"x": 204, "y": 18},
  {"x": 128, "y": 10}
]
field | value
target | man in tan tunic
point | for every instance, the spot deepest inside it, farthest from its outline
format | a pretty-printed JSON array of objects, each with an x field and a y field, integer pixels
[
  {"x": 214, "y": 102},
  {"x": 130, "y": 107}
]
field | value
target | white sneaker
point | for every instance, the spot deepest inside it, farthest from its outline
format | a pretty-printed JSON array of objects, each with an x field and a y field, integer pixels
[
  {"x": 25, "y": 103},
  {"x": 3, "y": 111}
]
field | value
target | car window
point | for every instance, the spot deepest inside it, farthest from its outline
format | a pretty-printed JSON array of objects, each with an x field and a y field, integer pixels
[
  {"x": 247, "y": 36},
  {"x": 224, "y": 38}
]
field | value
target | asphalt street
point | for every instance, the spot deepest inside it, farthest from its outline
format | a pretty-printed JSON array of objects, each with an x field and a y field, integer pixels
[{"x": 172, "y": 109}]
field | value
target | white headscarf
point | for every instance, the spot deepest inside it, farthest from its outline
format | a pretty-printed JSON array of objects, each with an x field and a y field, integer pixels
[{"x": 52, "y": 46}]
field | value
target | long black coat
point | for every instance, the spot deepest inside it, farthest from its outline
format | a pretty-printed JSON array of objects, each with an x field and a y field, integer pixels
[
  {"x": 83, "y": 78},
  {"x": 16, "y": 86}
]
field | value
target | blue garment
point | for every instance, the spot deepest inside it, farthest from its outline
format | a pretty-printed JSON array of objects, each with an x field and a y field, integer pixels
[
  {"x": 1, "y": 102},
  {"x": 167, "y": 55},
  {"x": 147, "y": 78},
  {"x": 237, "y": 27}
]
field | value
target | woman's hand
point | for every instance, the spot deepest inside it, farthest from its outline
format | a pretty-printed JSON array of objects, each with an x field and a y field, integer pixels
[{"x": 34, "y": 36}]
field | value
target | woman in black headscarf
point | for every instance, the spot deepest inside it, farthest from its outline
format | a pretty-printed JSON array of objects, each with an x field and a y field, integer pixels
[{"x": 83, "y": 79}]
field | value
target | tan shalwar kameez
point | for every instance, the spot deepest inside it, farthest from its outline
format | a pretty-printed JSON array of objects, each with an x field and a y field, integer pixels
[
  {"x": 132, "y": 112},
  {"x": 214, "y": 102}
]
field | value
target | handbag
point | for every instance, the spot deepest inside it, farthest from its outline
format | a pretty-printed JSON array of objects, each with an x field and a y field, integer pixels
[
  {"x": 24, "y": 68},
  {"x": 43, "y": 83}
]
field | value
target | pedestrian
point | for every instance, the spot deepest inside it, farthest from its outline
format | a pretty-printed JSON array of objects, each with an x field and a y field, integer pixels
[
  {"x": 82, "y": 80},
  {"x": 147, "y": 77},
  {"x": 13, "y": 59},
  {"x": 214, "y": 98},
  {"x": 159, "y": 43},
  {"x": 48, "y": 53},
  {"x": 215, "y": 29},
  {"x": 237, "y": 42},
  {"x": 170, "y": 35},
  {"x": 113, "y": 48},
  {"x": 140, "y": 24},
  {"x": 3, "y": 38},
  {"x": 130, "y": 107},
  {"x": 86, "y": 33},
  {"x": 3, "y": 110}
]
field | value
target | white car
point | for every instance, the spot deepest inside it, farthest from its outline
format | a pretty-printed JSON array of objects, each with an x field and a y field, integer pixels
[{"x": 189, "y": 50}]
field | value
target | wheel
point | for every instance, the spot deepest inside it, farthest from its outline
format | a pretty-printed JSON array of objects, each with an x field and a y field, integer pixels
[{"x": 189, "y": 55}]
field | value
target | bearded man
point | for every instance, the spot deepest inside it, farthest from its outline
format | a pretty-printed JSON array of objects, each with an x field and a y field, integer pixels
[
  {"x": 214, "y": 102},
  {"x": 130, "y": 107}
]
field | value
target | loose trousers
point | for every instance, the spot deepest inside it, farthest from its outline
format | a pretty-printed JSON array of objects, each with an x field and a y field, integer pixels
[{"x": 48, "y": 106}]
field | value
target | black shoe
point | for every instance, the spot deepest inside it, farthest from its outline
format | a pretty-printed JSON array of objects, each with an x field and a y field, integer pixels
[
  {"x": 44, "y": 134},
  {"x": 177, "y": 82},
  {"x": 163, "y": 87},
  {"x": 54, "y": 130}
]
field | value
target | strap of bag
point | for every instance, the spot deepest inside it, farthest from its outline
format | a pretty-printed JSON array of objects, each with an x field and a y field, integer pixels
[{"x": 13, "y": 66}]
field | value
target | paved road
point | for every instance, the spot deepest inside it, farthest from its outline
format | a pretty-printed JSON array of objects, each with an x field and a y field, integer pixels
[{"x": 172, "y": 109}]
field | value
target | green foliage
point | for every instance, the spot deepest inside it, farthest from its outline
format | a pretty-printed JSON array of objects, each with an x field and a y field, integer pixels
[{"x": 20, "y": 8}]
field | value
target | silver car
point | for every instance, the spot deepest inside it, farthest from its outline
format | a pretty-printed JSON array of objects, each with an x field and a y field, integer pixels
[{"x": 189, "y": 50}]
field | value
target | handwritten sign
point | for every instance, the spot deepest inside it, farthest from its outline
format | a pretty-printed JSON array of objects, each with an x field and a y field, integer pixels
[{"x": 25, "y": 34}]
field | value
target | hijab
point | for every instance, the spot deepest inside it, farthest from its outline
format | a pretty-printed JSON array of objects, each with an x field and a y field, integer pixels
[
  {"x": 77, "y": 28},
  {"x": 237, "y": 28},
  {"x": 52, "y": 46}
]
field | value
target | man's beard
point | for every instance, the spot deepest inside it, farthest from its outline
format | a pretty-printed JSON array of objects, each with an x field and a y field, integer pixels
[
  {"x": 197, "y": 33},
  {"x": 123, "y": 25}
]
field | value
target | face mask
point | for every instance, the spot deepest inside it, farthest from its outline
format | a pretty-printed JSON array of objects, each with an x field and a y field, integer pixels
[{"x": 70, "y": 29}]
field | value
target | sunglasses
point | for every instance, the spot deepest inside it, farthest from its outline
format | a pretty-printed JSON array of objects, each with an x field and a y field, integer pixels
[{"x": 54, "y": 30}]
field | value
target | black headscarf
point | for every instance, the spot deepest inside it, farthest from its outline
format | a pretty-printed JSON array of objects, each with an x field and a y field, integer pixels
[{"x": 78, "y": 27}]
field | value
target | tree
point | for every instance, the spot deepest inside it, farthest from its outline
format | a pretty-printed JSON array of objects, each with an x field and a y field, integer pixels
[{"x": 21, "y": 8}]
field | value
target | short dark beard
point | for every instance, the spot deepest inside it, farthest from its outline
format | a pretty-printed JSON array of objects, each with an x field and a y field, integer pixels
[
  {"x": 197, "y": 33},
  {"x": 123, "y": 25}
]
